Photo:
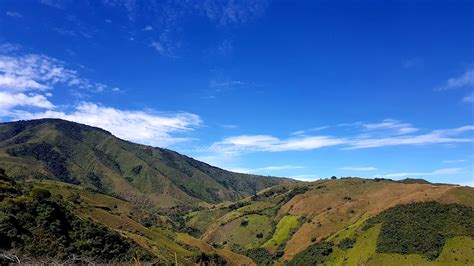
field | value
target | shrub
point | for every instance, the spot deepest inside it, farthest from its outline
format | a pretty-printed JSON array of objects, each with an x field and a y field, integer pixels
[
  {"x": 40, "y": 194},
  {"x": 347, "y": 243}
]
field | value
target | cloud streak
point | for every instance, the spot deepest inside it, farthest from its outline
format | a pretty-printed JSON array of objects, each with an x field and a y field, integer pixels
[
  {"x": 398, "y": 135},
  {"x": 465, "y": 80},
  {"x": 439, "y": 172},
  {"x": 366, "y": 168}
]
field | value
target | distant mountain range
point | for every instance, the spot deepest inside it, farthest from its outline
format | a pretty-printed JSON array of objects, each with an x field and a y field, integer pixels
[{"x": 71, "y": 193}]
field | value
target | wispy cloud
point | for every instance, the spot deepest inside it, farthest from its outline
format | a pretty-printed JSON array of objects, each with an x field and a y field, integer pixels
[
  {"x": 390, "y": 126},
  {"x": 9, "y": 101},
  {"x": 439, "y": 172},
  {"x": 165, "y": 47},
  {"x": 233, "y": 12},
  {"x": 147, "y": 28},
  {"x": 454, "y": 161},
  {"x": 39, "y": 72},
  {"x": 14, "y": 14},
  {"x": 262, "y": 170},
  {"x": 365, "y": 168},
  {"x": 396, "y": 135},
  {"x": 468, "y": 98},
  {"x": 229, "y": 126},
  {"x": 412, "y": 62},
  {"x": 306, "y": 131},
  {"x": 464, "y": 80},
  {"x": 254, "y": 143},
  {"x": 308, "y": 177},
  {"x": 9, "y": 47},
  {"x": 61, "y": 4}
]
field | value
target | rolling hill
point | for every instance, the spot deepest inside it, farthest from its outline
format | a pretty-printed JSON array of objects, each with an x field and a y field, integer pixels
[
  {"x": 79, "y": 154},
  {"x": 77, "y": 193}
]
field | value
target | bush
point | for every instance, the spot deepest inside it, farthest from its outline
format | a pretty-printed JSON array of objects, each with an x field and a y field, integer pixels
[
  {"x": 347, "y": 243},
  {"x": 40, "y": 194}
]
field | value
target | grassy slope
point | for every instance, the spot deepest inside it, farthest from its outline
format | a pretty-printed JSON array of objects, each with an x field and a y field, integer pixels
[
  {"x": 282, "y": 231},
  {"x": 331, "y": 210}
]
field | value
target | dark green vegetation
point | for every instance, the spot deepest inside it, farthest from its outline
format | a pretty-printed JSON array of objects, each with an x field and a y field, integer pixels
[
  {"x": 33, "y": 224},
  {"x": 77, "y": 193},
  {"x": 313, "y": 255},
  {"x": 79, "y": 154},
  {"x": 422, "y": 228}
]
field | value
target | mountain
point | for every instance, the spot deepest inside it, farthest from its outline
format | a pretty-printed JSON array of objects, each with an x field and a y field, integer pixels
[
  {"x": 88, "y": 156},
  {"x": 74, "y": 193}
]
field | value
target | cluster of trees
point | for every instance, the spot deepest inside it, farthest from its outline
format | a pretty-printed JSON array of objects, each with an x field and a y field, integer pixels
[
  {"x": 313, "y": 255},
  {"x": 36, "y": 225},
  {"x": 422, "y": 228},
  {"x": 261, "y": 256}
]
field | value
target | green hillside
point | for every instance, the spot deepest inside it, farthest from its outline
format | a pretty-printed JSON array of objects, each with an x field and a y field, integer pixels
[
  {"x": 74, "y": 192},
  {"x": 78, "y": 154}
]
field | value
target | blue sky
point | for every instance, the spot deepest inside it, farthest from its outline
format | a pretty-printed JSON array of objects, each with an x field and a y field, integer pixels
[{"x": 304, "y": 89}]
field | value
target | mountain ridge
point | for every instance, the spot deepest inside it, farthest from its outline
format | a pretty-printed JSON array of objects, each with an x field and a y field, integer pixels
[{"x": 81, "y": 154}]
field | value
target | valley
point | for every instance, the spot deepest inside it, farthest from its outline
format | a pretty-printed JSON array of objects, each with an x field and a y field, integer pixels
[{"x": 164, "y": 207}]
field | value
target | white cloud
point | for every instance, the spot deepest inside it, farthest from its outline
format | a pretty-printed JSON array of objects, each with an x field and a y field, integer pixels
[
  {"x": 12, "y": 100},
  {"x": 14, "y": 14},
  {"x": 39, "y": 72},
  {"x": 468, "y": 98},
  {"x": 9, "y": 47},
  {"x": 465, "y": 80},
  {"x": 440, "y": 172},
  {"x": 233, "y": 12},
  {"x": 306, "y": 178},
  {"x": 248, "y": 143},
  {"x": 281, "y": 167},
  {"x": 148, "y": 28},
  {"x": 375, "y": 135},
  {"x": 55, "y": 3},
  {"x": 412, "y": 62},
  {"x": 229, "y": 126},
  {"x": 266, "y": 169},
  {"x": 216, "y": 84},
  {"x": 434, "y": 137},
  {"x": 306, "y": 131},
  {"x": 390, "y": 126},
  {"x": 366, "y": 168},
  {"x": 454, "y": 161},
  {"x": 138, "y": 126},
  {"x": 164, "y": 47}
]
